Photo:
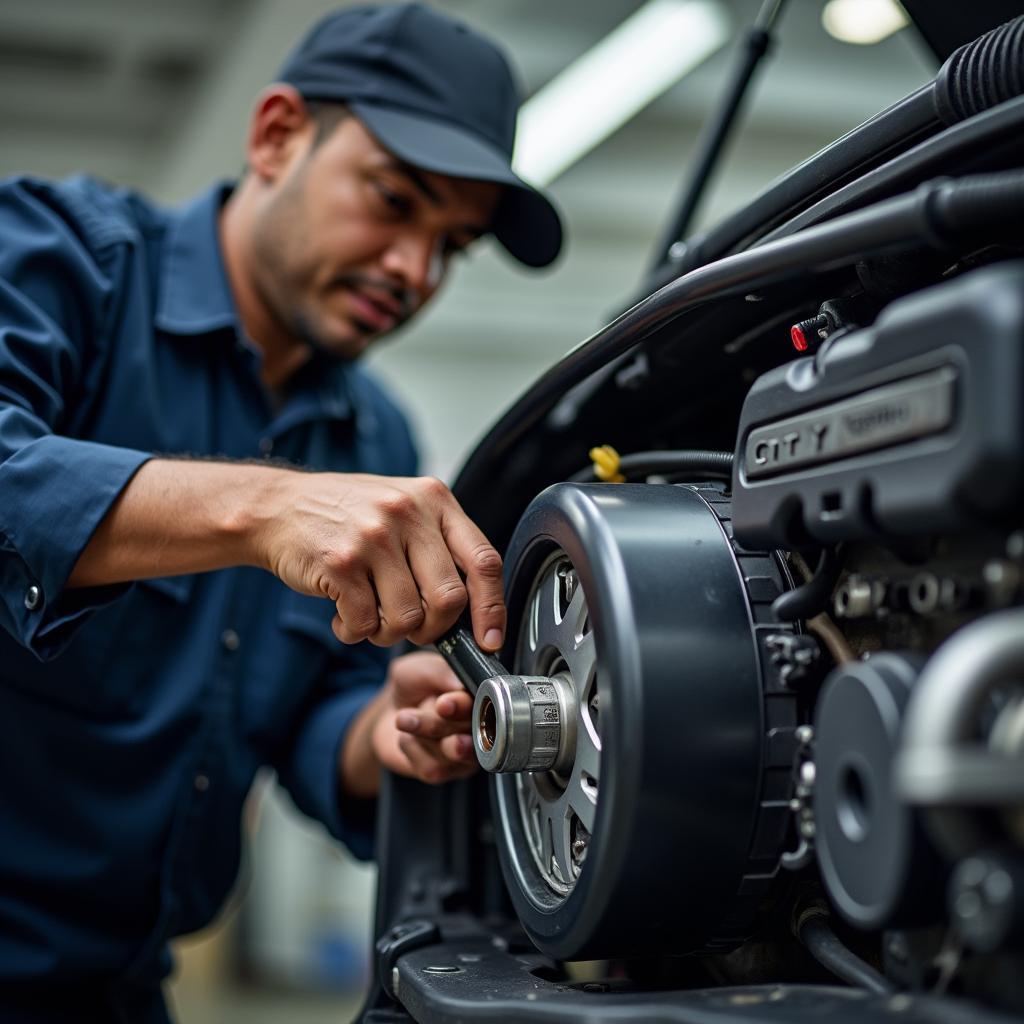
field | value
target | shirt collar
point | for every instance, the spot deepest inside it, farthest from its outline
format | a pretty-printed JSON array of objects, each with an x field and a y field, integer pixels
[
  {"x": 194, "y": 295},
  {"x": 326, "y": 389}
]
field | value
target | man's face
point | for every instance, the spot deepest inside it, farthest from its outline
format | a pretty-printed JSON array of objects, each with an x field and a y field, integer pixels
[{"x": 350, "y": 242}]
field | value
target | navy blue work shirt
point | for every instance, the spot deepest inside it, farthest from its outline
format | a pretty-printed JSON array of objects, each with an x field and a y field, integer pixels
[{"x": 133, "y": 718}]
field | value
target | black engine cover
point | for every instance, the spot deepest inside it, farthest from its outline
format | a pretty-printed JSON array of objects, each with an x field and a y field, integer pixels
[{"x": 912, "y": 426}]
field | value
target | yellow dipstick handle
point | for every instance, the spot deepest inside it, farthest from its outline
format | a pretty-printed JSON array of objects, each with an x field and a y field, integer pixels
[{"x": 606, "y": 464}]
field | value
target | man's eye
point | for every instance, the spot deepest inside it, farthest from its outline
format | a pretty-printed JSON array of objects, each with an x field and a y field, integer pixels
[{"x": 395, "y": 202}]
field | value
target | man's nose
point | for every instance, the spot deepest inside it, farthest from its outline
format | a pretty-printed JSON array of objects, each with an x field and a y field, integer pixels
[{"x": 417, "y": 259}]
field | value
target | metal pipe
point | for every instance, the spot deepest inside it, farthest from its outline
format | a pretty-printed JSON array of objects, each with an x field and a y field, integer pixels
[
  {"x": 822, "y": 626},
  {"x": 943, "y": 766},
  {"x": 756, "y": 42}
]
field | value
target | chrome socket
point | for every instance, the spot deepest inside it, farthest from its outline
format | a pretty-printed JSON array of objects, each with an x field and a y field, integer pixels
[{"x": 525, "y": 723}]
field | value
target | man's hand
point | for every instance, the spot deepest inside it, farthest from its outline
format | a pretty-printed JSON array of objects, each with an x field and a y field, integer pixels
[
  {"x": 418, "y": 725},
  {"x": 387, "y": 551}
]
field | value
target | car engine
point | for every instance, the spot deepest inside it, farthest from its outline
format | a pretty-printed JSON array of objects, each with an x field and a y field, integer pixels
[{"x": 774, "y": 756}]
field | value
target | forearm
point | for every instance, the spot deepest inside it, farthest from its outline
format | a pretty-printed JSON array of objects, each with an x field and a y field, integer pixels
[
  {"x": 177, "y": 516},
  {"x": 358, "y": 763},
  {"x": 386, "y": 550}
]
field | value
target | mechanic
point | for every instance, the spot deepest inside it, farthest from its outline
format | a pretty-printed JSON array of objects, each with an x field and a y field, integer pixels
[{"x": 167, "y": 382}]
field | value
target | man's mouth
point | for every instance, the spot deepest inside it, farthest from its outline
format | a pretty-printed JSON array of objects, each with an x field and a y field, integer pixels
[{"x": 376, "y": 310}]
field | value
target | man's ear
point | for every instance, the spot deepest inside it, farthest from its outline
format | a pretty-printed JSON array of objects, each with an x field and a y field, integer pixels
[{"x": 280, "y": 127}]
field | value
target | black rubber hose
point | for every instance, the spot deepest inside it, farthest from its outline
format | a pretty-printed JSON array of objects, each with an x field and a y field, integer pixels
[
  {"x": 703, "y": 465},
  {"x": 910, "y": 219},
  {"x": 982, "y": 74},
  {"x": 961, "y": 206},
  {"x": 813, "y": 930},
  {"x": 806, "y": 601}
]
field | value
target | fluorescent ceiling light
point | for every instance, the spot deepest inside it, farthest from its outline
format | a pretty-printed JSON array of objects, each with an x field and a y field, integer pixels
[
  {"x": 862, "y": 21},
  {"x": 598, "y": 93}
]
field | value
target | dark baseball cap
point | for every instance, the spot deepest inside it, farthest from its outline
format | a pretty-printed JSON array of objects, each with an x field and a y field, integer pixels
[{"x": 439, "y": 96}]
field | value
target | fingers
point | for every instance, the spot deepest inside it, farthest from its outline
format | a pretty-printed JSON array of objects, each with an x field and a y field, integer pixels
[
  {"x": 435, "y": 738},
  {"x": 384, "y": 606},
  {"x": 459, "y": 749},
  {"x": 389, "y": 552},
  {"x": 435, "y": 719},
  {"x": 415, "y": 677},
  {"x": 401, "y": 609},
  {"x": 357, "y": 610},
  {"x": 455, "y": 707},
  {"x": 419, "y": 562},
  {"x": 440, "y": 585},
  {"x": 427, "y": 733},
  {"x": 482, "y": 567},
  {"x": 429, "y": 763}
]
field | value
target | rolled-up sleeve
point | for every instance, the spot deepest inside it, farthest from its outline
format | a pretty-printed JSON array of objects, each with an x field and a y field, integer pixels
[{"x": 54, "y": 299}]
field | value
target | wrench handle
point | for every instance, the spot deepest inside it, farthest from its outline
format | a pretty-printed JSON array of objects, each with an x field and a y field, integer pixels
[{"x": 468, "y": 661}]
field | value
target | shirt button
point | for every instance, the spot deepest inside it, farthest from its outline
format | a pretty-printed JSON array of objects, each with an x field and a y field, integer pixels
[
  {"x": 230, "y": 639},
  {"x": 202, "y": 783},
  {"x": 266, "y": 445},
  {"x": 33, "y": 598}
]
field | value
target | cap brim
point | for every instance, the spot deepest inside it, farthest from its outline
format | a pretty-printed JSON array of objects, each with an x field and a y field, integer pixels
[{"x": 525, "y": 222}]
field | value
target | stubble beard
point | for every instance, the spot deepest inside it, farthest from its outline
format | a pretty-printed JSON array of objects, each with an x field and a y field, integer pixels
[{"x": 281, "y": 277}]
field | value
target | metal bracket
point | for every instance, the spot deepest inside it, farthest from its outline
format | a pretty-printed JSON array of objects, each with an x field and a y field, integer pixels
[{"x": 396, "y": 942}]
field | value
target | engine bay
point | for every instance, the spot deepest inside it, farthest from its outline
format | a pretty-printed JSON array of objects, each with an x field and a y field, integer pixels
[{"x": 786, "y": 630}]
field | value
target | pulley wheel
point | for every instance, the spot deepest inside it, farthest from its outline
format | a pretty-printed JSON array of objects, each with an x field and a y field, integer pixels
[
  {"x": 636, "y": 600},
  {"x": 877, "y": 865}
]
